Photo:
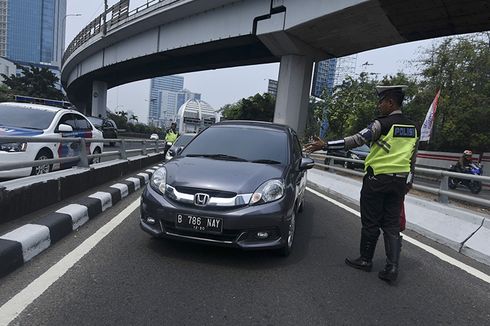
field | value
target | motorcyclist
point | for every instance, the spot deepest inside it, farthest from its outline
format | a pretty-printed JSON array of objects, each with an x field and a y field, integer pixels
[
  {"x": 464, "y": 161},
  {"x": 171, "y": 136}
]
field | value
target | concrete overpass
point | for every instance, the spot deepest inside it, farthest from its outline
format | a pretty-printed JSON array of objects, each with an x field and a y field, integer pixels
[{"x": 177, "y": 36}]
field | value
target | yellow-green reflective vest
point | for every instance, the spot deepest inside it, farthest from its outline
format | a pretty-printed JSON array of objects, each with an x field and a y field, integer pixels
[
  {"x": 171, "y": 136},
  {"x": 392, "y": 153}
]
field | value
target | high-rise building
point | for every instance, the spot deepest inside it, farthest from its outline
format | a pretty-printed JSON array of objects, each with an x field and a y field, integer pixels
[
  {"x": 272, "y": 87},
  {"x": 162, "y": 102},
  {"x": 32, "y": 32},
  {"x": 323, "y": 76},
  {"x": 330, "y": 73}
]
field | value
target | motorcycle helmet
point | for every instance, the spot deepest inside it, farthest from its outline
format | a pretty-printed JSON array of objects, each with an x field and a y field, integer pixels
[{"x": 468, "y": 153}]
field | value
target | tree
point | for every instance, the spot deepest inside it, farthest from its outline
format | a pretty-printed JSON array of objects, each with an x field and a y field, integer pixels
[
  {"x": 35, "y": 82},
  {"x": 258, "y": 107},
  {"x": 460, "y": 67},
  {"x": 6, "y": 94}
]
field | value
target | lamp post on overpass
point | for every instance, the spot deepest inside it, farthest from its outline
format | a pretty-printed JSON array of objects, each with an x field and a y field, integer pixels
[{"x": 104, "y": 19}]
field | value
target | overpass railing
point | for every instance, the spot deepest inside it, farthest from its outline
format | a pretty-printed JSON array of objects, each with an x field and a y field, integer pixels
[
  {"x": 442, "y": 192},
  {"x": 114, "y": 15},
  {"x": 84, "y": 158}
]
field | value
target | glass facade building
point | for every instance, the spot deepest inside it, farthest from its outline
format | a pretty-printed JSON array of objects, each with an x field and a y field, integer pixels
[
  {"x": 324, "y": 77},
  {"x": 41, "y": 40},
  {"x": 160, "y": 98}
]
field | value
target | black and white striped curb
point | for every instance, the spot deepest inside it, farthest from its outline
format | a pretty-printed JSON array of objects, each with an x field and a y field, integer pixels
[{"x": 22, "y": 244}]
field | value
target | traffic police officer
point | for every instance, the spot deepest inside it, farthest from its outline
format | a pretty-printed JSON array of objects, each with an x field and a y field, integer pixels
[{"x": 389, "y": 169}]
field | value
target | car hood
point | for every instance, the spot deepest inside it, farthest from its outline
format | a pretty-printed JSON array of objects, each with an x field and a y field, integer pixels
[
  {"x": 15, "y": 131},
  {"x": 212, "y": 174}
]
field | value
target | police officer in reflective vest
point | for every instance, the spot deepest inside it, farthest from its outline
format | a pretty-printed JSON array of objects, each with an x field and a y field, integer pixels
[{"x": 389, "y": 169}]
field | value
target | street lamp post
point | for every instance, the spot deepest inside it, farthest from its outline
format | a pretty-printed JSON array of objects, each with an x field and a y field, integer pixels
[{"x": 68, "y": 15}]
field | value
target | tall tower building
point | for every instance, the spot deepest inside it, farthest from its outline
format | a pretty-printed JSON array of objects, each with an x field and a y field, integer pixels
[
  {"x": 34, "y": 31},
  {"x": 323, "y": 76},
  {"x": 162, "y": 102}
]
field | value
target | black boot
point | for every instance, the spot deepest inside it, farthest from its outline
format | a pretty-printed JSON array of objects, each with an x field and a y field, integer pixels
[
  {"x": 393, "y": 244},
  {"x": 364, "y": 262}
]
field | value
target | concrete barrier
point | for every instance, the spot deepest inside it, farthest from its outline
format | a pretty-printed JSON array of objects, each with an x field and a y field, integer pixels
[{"x": 27, "y": 195}]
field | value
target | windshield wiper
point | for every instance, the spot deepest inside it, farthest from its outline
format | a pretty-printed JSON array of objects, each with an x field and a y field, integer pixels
[
  {"x": 219, "y": 157},
  {"x": 266, "y": 161}
]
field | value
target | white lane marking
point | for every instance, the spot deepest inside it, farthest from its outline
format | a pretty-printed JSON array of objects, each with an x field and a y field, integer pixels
[
  {"x": 78, "y": 213},
  {"x": 34, "y": 238},
  {"x": 442, "y": 256},
  {"x": 104, "y": 197},
  {"x": 14, "y": 307}
]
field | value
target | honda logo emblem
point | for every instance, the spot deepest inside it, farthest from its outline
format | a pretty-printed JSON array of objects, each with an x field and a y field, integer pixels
[{"x": 201, "y": 199}]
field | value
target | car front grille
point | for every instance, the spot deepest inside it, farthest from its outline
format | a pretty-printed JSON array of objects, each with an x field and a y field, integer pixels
[{"x": 210, "y": 192}]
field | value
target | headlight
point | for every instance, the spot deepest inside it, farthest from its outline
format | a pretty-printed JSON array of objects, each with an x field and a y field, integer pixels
[
  {"x": 159, "y": 180},
  {"x": 13, "y": 147},
  {"x": 354, "y": 156},
  {"x": 268, "y": 191}
]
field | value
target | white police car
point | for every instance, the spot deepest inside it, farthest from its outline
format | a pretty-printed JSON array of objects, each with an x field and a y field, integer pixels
[{"x": 34, "y": 120}]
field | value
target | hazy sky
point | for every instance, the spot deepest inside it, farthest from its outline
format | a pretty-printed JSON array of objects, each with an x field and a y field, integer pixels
[{"x": 224, "y": 86}]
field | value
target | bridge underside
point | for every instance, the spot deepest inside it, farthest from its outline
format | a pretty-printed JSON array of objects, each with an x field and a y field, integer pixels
[{"x": 246, "y": 50}]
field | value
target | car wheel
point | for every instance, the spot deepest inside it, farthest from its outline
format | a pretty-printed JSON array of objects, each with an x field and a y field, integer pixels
[
  {"x": 346, "y": 165},
  {"x": 286, "y": 250},
  {"x": 112, "y": 144},
  {"x": 45, "y": 168},
  {"x": 96, "y": 159}
]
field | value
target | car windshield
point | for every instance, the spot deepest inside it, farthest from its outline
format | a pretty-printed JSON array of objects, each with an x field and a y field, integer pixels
[
  {"x": 240, "y": 143},
  {"x": 13, "y": 116},
  {"x": 183, "y": 140},
  {"x": 363, "y": 148},
  {"x": 95, "y": 121}
]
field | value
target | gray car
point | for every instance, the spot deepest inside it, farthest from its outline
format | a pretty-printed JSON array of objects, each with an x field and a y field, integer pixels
[{"x": 237, "y": 183}]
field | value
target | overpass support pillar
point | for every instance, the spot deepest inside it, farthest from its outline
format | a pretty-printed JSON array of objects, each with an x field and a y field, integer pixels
[
  {"x": 293, "y": 92},
  {"x": 99, "y": 99}
]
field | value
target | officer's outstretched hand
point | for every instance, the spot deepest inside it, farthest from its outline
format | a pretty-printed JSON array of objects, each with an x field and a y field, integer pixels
[{"x": 315, "y": 145}]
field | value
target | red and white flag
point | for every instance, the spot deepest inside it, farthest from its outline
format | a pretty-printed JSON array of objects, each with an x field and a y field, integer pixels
[{"x": 429, "y": 119}]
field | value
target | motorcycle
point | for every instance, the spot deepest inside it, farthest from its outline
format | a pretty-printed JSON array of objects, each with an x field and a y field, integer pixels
[{"x": 474, "y": 185}]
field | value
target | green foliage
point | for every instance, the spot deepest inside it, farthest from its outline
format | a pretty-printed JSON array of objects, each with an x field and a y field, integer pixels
[
  {"x": 6, "y": 94},
  {"x": 258, "y": 107},
  {"x": 35, "y": 82},
  {"x": 459, "y": 66},
  {"x": 121, "y": 120}
]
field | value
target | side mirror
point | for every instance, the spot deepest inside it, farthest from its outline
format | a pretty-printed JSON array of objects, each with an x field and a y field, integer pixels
[
  {"x": 179, "y": 150},
  {"x": 65, "y": 128},
  {"x": 306, "y": 163},
  {"x": 172, "y": 151}
]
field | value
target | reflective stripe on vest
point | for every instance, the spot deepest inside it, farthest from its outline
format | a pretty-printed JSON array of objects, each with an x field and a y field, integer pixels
[{"x": 392, "y": 153}]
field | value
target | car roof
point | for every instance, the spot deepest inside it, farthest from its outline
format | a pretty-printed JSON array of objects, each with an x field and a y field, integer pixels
[
  {"x": 40, "y": 107},
  {"x": 252, "y": 123}
]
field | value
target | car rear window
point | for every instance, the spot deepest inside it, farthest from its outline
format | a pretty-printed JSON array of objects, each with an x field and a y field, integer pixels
[
  {"x": 249, "y": 143},
  {"x": 13, "y": 116}
]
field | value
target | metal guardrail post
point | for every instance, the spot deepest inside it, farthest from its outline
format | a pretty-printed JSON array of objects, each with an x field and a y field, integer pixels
[
  {"x": 144, "y": 151},
  {"x": 443, "y": 186},
  {"x": 331, "y": 162},
  {"x": 122, "y": 150},
  {"x": 83, "y": 154}
]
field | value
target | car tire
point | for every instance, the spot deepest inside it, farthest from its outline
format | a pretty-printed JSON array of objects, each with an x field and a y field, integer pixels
[
  {"x": 286, "y": 250},
  {"x": 44, "y": 154},
  {"x": 96, "y": 159},
  {"x": 112, "y": 143}
]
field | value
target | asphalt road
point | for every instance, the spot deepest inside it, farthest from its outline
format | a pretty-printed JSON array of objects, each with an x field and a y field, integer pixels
[{"x": 131, "y": 279}]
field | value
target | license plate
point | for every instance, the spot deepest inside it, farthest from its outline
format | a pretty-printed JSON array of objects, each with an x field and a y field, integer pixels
[{"x": 199, "y": 223}]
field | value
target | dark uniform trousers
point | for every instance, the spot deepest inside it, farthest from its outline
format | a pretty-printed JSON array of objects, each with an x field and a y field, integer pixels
[{"x": 381, "y": 198}]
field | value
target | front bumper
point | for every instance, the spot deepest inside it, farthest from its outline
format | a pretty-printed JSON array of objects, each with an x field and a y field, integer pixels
[
  {"x": 13, "y": 158},
  {"x": 240, "y": 225}
]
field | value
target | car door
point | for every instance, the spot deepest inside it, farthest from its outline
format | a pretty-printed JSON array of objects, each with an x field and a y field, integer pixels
[
  {"x": 67, "y": 149},
  {"x": 83, "y": 130}
]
